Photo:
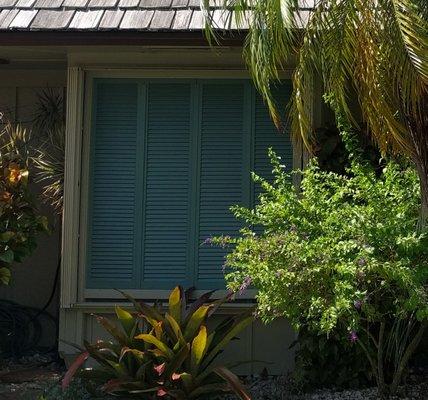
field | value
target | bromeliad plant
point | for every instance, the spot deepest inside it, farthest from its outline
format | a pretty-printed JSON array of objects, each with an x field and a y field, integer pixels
[{"x": 164, "y": 355}]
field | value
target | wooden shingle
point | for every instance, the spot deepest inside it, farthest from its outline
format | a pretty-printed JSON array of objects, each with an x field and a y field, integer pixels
[
  {"x": 111, "y": 19},
  {"x": 7, "y": 3},
  {"x": 180, "y": 3},
  {"x": 75, "y": 3},
  {"x": 129, "y": 3},
  {"x": 102, "y": 3},
  {"x": 23, "y": 19},
  {"x": 182, "y": 19},
  {"x": 87, "y": 19},
  {"x": 158, "y": 4},
  {"x": 198, "y": 21},
  {"x": 136, "y": 19},
  {"x": 6, "y": 17},
  {"x": 162, "y": 19},
  {"x": 25, "y": 3},
  {"x": 48, "y": 3},
  {"x": 52, "y": 19}
]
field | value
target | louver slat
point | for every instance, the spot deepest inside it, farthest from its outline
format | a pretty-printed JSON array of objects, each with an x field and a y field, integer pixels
[
  {"x": 221, "y": 174},
  {"x": 113, "y": 198},
  {"x": 166, "y": 216},
  {"x": 267, "y": 135}
]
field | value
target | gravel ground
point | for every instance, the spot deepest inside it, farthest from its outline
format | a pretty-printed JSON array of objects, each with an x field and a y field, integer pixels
[
  {"x": 281, "y": 389},
  {"x": 29, "y": 377}
]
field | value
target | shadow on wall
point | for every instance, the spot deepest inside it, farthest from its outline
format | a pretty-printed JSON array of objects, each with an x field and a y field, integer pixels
[{"x": 32, "y": 282}]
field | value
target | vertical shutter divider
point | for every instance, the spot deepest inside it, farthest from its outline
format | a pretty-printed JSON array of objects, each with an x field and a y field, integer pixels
[
  {"x": 247, "y": 141},
  {"x": 92, "y": 141},
  {"x": 142, "y": 181},
  {"x": 195, "y": 157},
  {"x": 253, "y": 141}
]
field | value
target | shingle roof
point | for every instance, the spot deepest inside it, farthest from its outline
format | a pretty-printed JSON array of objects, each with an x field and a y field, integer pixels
[{"x": 98, "y": 15}]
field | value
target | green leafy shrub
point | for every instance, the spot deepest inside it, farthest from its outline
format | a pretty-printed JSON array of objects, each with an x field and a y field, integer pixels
[
  {"x": 20, "y": 220},
  {"x": 341, "y": 255},
  {"x": 170, "y": 354}
]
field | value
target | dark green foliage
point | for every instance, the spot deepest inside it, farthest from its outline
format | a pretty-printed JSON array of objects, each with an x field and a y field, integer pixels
[
  {"x": 155, "y": 354},
  {"x": 333, "y": 157},
  {"x": 315, "y": 356}
]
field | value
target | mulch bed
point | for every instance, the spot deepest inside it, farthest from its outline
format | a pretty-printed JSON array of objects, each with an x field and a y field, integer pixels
[{"x": 27, "y": 377}]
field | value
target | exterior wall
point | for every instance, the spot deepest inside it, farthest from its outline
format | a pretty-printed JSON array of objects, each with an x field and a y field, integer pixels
[
  {"x": 33, "y": 280},
  {"x": 18, "y": 90}
]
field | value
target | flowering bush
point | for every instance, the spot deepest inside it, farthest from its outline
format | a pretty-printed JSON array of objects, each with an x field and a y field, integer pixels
[
  {"x": 20, "y": 221},
  {"x": 343, "y": 254}
]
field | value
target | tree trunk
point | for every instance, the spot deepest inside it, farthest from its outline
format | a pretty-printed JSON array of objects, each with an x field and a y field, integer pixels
[
  {"x": 423, "y": 176},
  {"x": 418, "y": 132}
]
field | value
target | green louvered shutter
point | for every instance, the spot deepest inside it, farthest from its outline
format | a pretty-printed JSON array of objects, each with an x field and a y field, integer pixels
[
  {"x": 267, "y": 135},
  {"x": 222, "y": 174},
  {"x": 168, "y": 159},
  {"x": 114, "y": 200},
  {"x": 166, "y": 216}
]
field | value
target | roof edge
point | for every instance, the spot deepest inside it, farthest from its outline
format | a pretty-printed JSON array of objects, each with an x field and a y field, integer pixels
[{"x": 114, "y": 38}]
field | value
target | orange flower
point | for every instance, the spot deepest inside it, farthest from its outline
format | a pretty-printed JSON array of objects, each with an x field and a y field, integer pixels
[
  {"x": 5, "y": 196},
  {"x": 14, "y": 173}
]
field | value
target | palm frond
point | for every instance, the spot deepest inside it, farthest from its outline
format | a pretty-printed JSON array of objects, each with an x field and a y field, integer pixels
[
  {"x": 374, "y": 54},
  {"x": 412, "y": 20}
]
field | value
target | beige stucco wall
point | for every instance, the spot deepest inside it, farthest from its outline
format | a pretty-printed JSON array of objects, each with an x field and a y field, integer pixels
[{"x": 32, "y": 281}]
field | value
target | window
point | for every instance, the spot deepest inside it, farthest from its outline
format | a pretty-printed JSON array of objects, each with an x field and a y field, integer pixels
[{"x": 168, "y": 159}]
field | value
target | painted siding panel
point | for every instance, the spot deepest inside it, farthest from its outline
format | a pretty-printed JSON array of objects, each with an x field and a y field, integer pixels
[
  {"x": 113, "y": 247},
  {"x": 222, "y": 174},
  {"x": 167, "y": 186}
]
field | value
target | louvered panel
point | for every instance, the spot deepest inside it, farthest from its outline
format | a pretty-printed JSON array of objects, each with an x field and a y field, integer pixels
[
  {"x": 267, "y": 135},
  {"x": 221, "y": 174},
  {"x": 166, "y": 216},
  {"x": 113, "y": 224}
]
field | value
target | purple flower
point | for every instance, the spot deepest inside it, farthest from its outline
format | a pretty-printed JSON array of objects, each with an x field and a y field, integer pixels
[
  {"x": 353, "y": 337},
  {"x": 358, "y": 304},
  {"x": 362, "y": 262},
  {"x": 208, "y": 241},
  {"x": 245, "y": 284}
]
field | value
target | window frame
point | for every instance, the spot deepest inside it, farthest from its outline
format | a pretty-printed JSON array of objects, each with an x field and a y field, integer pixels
[{"x": 84, "y": 294}]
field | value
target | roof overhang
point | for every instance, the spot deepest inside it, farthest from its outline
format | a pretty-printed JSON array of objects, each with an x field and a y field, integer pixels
[{"x": 115, "y": 38}]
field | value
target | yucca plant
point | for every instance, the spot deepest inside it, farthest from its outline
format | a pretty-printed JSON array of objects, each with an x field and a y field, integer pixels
[
  {"x": 164, "y": 354},
  {"x": 49, "y": 153}
]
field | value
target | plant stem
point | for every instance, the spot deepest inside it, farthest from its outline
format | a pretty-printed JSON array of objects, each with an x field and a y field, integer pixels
[
  {"x": 371, "y": 361},
  {"x": 405, "y": 359},
  {"x": 381, "y": 383}
]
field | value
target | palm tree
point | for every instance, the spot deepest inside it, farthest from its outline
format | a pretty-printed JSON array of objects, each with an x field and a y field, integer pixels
[{"x": 375, "y": 51}]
